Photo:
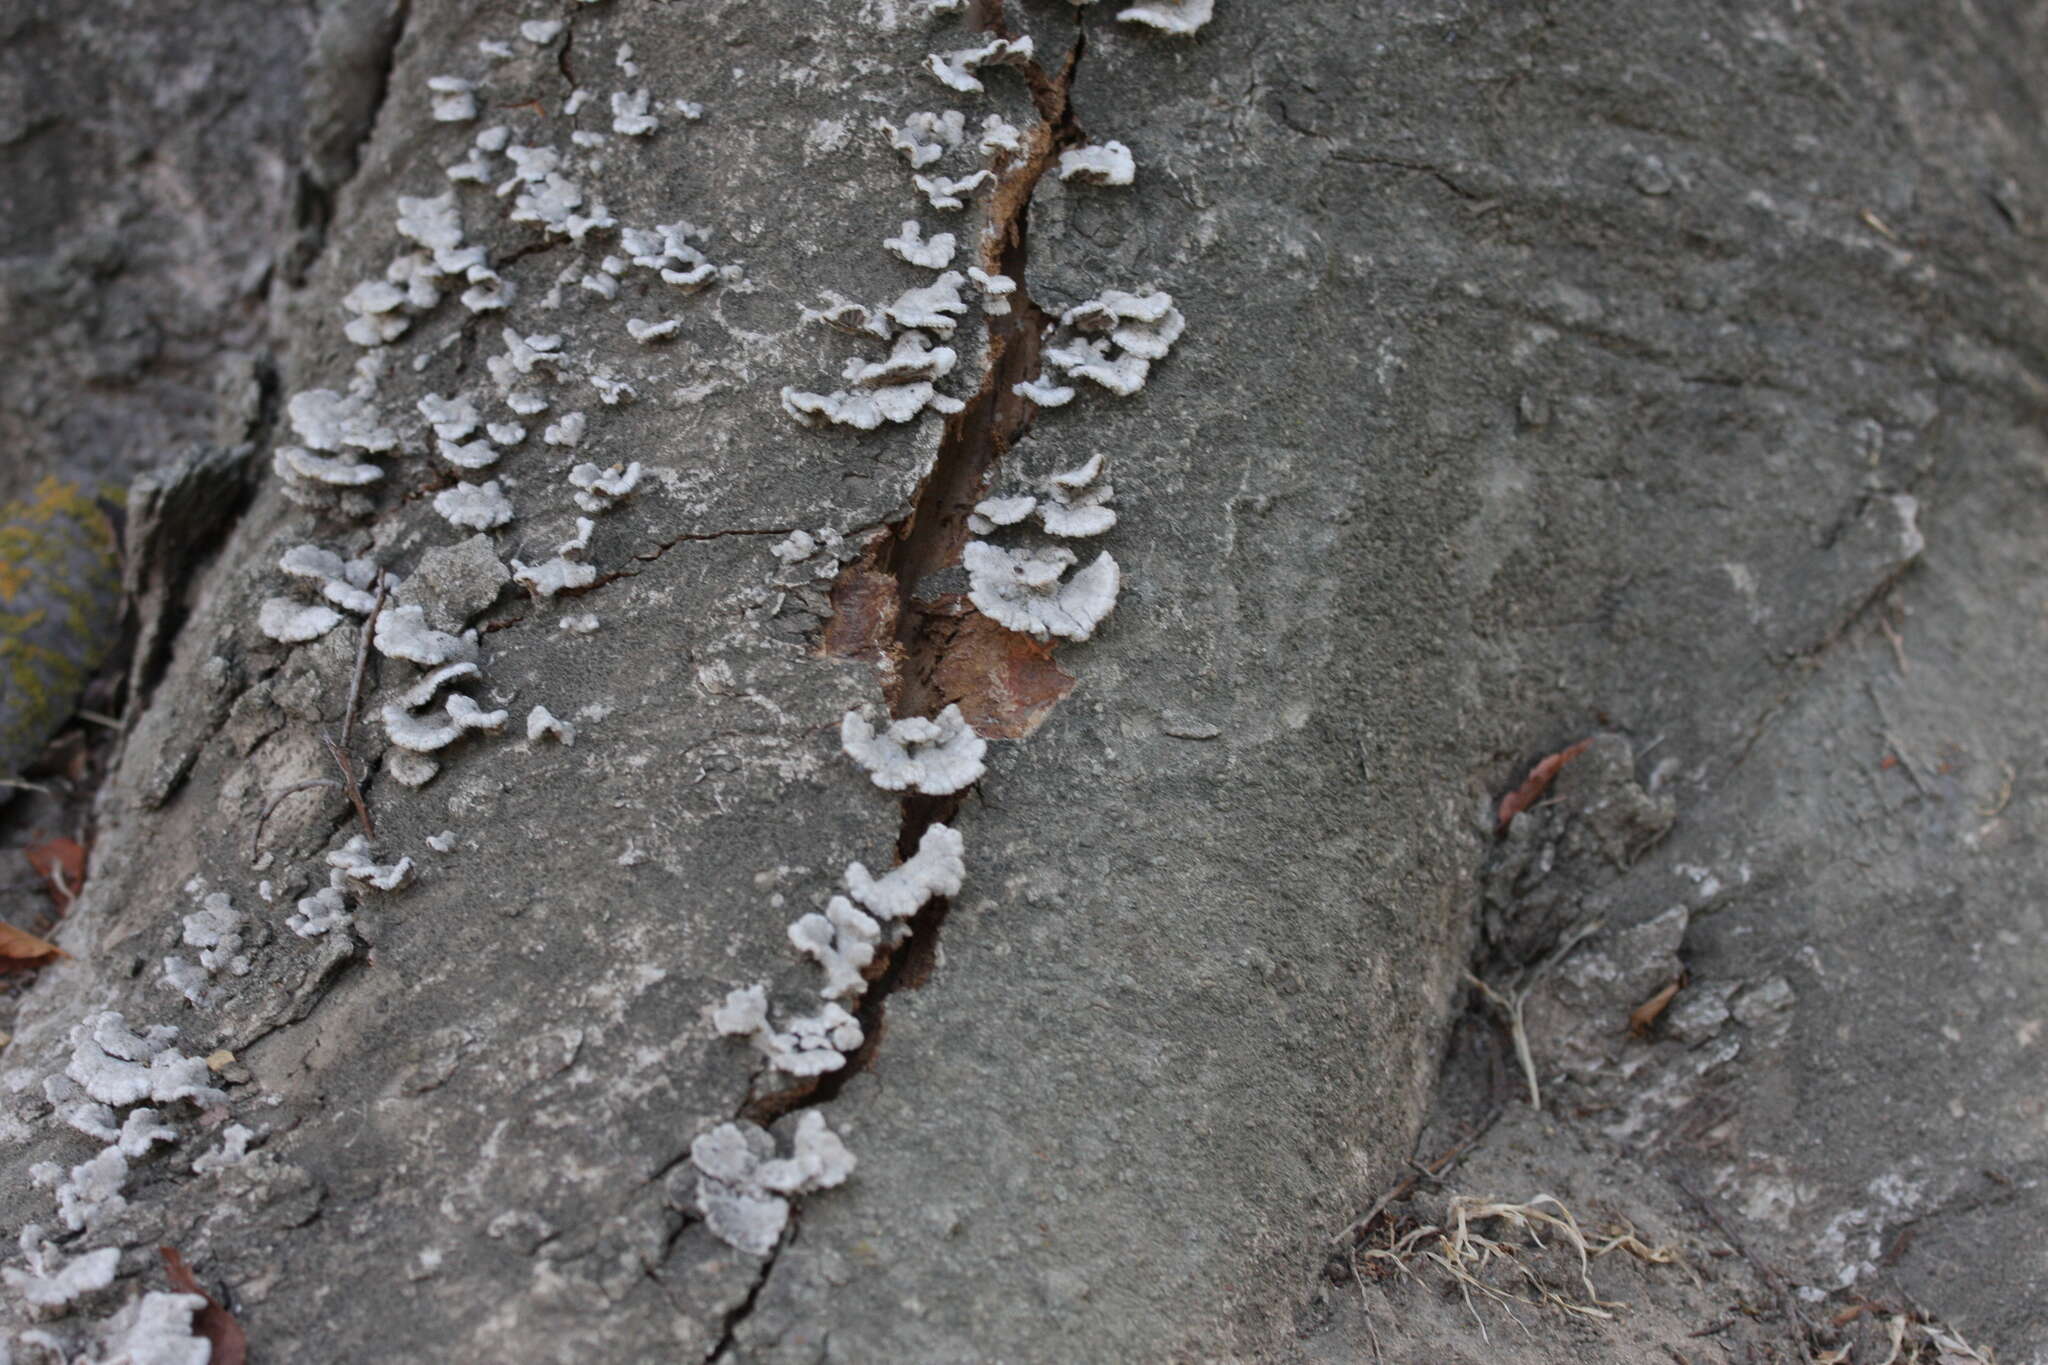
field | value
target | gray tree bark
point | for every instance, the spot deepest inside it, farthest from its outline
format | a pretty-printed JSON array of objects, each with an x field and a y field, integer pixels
[{"x": 1666, "y": 374}]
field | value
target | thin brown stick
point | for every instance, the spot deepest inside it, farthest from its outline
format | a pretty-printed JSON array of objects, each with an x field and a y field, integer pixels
[
  {"x": 349, "y": 784},
  {"x": 256, "y": 839},
  {"x": 355, "y": 684}
]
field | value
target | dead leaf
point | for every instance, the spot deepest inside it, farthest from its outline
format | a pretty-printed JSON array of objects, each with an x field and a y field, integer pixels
[
  {"x": 1835, "y": 1357},
  {"x": 1538, "y": 782},
  {"x": 61, "y": 863},
  {"x": 20, "y": 950},
  {"x": 215, "y": 1323},
  {"x": 1643, "y": 1016}
]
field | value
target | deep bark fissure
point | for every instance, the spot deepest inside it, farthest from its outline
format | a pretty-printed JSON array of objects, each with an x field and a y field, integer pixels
[{"x": 930, "y": 539}]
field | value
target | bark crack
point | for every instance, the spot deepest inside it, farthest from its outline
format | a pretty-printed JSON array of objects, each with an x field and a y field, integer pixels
[{"x": 888, "y": 619}]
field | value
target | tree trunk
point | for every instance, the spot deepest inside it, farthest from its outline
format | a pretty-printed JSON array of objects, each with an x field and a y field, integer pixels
[{"x": 1635, "y": 371}]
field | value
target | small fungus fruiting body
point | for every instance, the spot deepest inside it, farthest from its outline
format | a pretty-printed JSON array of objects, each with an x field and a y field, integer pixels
[
  {"x": 478, "y": 507},
  {"x": 867, "y": 409},
  {"x": 541, "y": 722},
  {"x": 938, "y": 868},
  {"x": 843, "y": 940},
  {"x": 1170, "y": 16},
  {"x": 910, "y": 243},
  {"x": 1110, "y": 163},
  {"x": 1028, "y": 590},
  {"x": 403, "y": 633},
  {"x": 353, "y": 858},
  {"x": 938, "y": 756},
  {"x": 294, "y": 623},
  {"x": 742, "y": 1186}
]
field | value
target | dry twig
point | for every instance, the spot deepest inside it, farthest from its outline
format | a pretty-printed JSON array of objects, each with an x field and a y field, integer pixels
[{"x": 338, "y": 751}]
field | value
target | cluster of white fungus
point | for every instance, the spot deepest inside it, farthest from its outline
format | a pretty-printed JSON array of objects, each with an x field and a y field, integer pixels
[
  {"x": 216, "y": 930},
  {"x": 1182, "y": 17},
  {"x": 937, "y": 756},
  {"x": 743, "y": 1186},
  {"x": 111, "y": 1069},
  {"x": 1110, "y": 340}
]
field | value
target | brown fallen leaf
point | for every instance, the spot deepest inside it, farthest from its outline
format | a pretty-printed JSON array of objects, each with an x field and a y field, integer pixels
[
  {"x": 215, "y": 1323},
  {"x": 61, "y": 863},
  {"x": 1538, "y": 782},
  {"x": 1643, "y": 1016},
  {"x": 20, "y": 950}
]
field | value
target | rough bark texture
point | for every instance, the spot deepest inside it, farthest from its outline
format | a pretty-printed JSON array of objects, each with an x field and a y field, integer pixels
[{"x": 1619, "y": 369}]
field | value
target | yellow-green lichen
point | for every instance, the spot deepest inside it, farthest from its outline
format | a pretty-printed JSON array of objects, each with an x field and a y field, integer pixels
[{"x": 60, "y": 611}]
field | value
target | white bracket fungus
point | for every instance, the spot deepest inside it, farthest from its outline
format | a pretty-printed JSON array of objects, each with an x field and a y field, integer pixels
[
  {"x": 936, "y": 869},
  {"x": 936, "y": 307},
  {"x": 848, "y": 316},
  {"x": 911, "y": 359},
  {"x": 1108, "y": 163},
  {"x": 955, "y": 70},
  {"x": 1023, "y": 589},
  {"x": 345, "y": 583},
  {"x": 998, "y": 134},
  {"x": 1044, "y": 392},
  {"x": 161, "y": 1333},
  {"x": 93, "y": 1194},
  {"x": 553, "y": 576},
  {"x": 990, "y": 513},
  {"x": 453, "y": 99},
  {"x": 294, "y": 623},
  {"x": 1170, "y": 16},
  {"x": 742, "y": 1185},
  {"x": 118, "y": 1068},
  {"x": 1078, "y": 504},
  {"x": 540, "y": 721},
  {"x": 403, "y": 633},
  {"x": 52, "y": 1282},
  {"x": 629, "y": 114},
  {"x": 647, "y": 333},
  {"x": 597, "y": 489},
  {"x": 324, "y": 911},
  {"x": 812, "y": 1044},
  {"x": 868, "y": 408},
  {"x": 568, "y": 431},
  {"x": 429, "y": 686},
  {"x": 934, "y": 253},
  {"x": 376, "y": 320},
  {"x": 316, "y": 480},
  {"x": 427, "y": 734},
  {"x": 216, "y": 929},
  {"x": 353, "y": 858},
  {"x": 925, "y": 137},
  {"x": 436, "y": 224},
  {"x": 936, "y": 756},
  {"x": 944, "y": 192},
  {"x": 1122, "y": 376},
  {"x": 468, "y": 456},
  {"x": 522, "y": 355},
  {"x": 326, "y": 420},
  {"x": 141, "y": 1131},
  {"x": 479, "y": 507},
  {"x": 843, "y": 941},
  {"x": 541, "y": 32},
  {"x": 995, "y": 291}
]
